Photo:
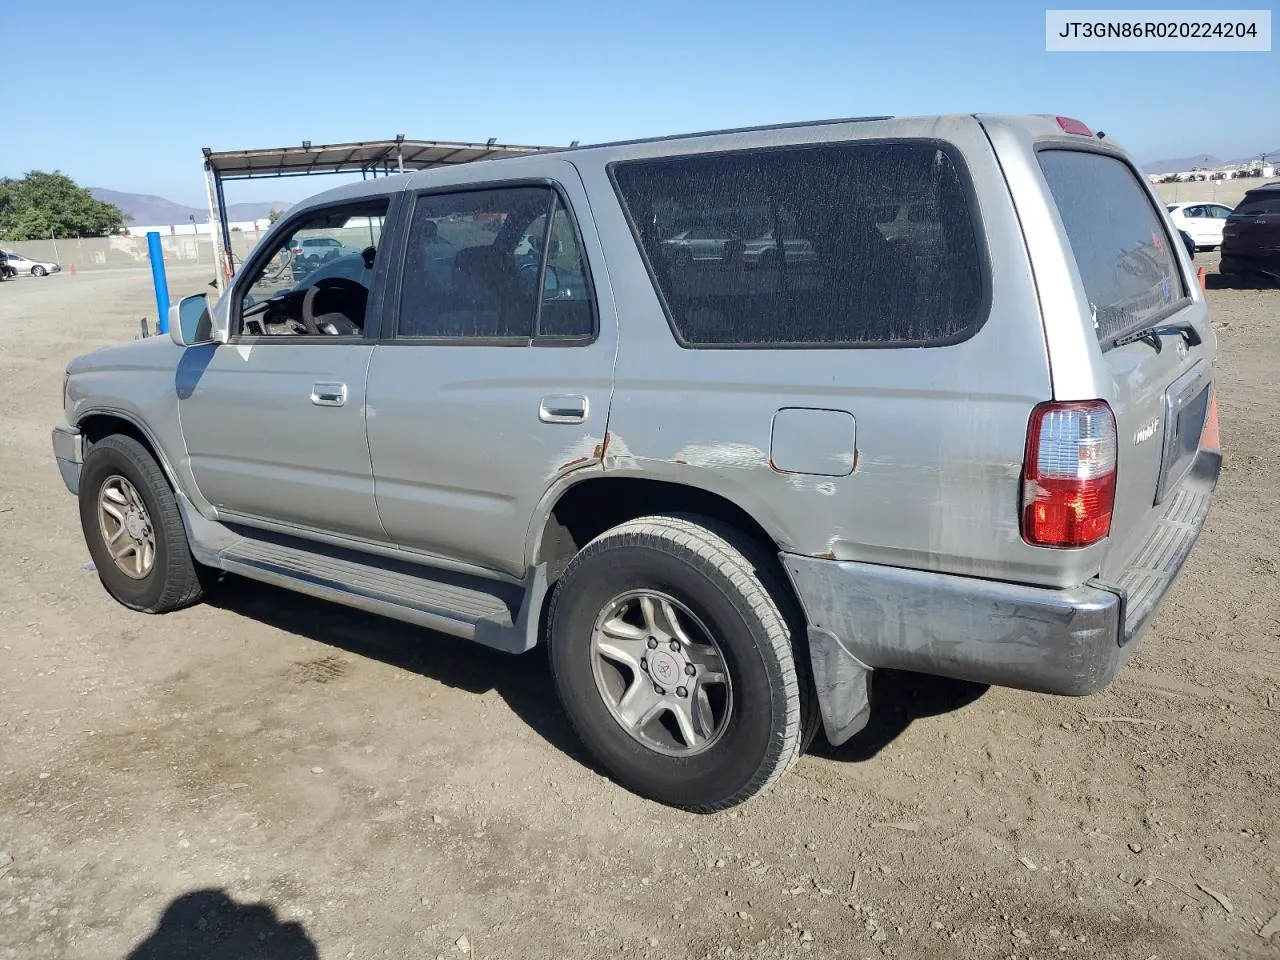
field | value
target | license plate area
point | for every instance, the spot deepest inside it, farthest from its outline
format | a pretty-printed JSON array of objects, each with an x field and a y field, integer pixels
[{"x": 1186, "y": 405}]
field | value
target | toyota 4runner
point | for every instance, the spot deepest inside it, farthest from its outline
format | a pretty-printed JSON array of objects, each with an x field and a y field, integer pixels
[{"x": 959, "y": 419}]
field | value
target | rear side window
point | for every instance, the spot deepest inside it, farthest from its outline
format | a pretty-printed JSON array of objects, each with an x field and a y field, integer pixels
[
  {"x": 484, "y": 265},
  {"x": 853, "y": 244},
  {"x": 1120, "y": 245}
]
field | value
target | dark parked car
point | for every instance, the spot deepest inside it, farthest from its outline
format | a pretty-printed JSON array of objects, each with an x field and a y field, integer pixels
[
  {"x": 1188, "y": 243},
  {"x": 1251, "y": 238}
]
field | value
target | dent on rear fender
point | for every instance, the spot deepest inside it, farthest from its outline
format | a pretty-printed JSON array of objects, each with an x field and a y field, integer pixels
[{"x": 741, "y": 473}]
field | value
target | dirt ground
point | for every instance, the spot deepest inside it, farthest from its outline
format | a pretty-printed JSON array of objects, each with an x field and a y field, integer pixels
[{"x": 267, "y": 776}]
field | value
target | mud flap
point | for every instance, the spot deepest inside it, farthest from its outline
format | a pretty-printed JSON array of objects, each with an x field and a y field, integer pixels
[{"x": 840, "y": 680}]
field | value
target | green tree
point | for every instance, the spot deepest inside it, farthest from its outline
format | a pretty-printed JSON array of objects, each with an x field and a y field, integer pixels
[
  {"x": 273, "y": 215},
  {"x": 42, "y": 205}
]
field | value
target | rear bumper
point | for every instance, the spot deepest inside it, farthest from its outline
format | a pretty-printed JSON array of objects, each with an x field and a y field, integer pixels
[
  {"x": 1153, "y": 569},
  {"x": 1068, "y": 642},
  {"x": 1235, "y": 262},
  {"x": 68, "y": 453}
]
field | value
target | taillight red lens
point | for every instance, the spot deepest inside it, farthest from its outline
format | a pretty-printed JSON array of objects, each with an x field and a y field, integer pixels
[
  {"x": 1069, "y": 475},
  {"x": 1074, "y": 126}
]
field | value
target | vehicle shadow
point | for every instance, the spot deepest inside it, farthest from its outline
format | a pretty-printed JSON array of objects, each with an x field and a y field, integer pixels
[
  {"x": 523, "y": 681},
  {"x": 897, "y": 699},
  {"x": 210, "y": 925},
  {"x": 1223, "y": 281}
]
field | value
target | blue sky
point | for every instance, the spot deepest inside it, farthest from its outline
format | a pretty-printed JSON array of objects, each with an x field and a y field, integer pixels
[{"x": 124, "y": 95}]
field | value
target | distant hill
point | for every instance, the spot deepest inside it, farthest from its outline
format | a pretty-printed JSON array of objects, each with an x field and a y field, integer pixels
[
  {"x": 146, "y": 209},
  {"x": 1179, "y": 164},
  {"x": 1273, "y": 156}
]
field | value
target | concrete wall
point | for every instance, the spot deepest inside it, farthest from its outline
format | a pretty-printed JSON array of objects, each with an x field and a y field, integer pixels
[
  {"x": 103, "y": 253},
  {"x": 1224, "y": 191}
]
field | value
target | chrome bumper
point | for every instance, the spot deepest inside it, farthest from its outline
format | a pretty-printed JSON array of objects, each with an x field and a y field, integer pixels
[
  {"x": 68, "y": 452},
  {"x": 863, "y": 616}
]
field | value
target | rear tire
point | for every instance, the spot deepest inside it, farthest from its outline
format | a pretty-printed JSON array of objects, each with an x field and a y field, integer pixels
[
  {"x": 157, "y": 572},
  {"x": 724, "y": 589}
]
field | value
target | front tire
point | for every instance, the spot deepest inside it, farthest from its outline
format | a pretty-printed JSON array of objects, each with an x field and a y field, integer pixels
[
  {"x": 133, "y": 529},
  {"x": 671, "y": 648},
  {"x": 38, "y": 271}
]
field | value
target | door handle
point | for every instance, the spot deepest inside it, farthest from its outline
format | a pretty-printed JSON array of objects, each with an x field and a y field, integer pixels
[
  {"x": 563, "y": 410},
  {"x": 329, "y": 394}
]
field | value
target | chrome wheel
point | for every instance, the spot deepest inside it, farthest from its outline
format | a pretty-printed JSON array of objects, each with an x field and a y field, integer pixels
[
  {"x": 126, "y": 527},
  {"x": 661, "y": 673}
]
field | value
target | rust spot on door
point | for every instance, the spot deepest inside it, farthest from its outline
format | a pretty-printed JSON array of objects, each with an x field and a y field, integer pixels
[{"x": 601, "y": 448}]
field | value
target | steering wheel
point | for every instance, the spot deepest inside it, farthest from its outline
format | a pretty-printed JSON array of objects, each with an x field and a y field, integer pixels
[{"x": 350, "y": 290}]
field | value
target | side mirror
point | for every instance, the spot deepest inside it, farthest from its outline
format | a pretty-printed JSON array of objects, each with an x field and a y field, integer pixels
[{"x": 189, "y": 321}]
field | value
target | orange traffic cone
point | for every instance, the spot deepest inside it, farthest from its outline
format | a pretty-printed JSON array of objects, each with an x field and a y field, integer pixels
[{"x": 1200, "y": 278}]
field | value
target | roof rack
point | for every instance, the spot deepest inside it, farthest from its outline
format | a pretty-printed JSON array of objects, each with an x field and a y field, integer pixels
[{"x": 369, "y": 158}]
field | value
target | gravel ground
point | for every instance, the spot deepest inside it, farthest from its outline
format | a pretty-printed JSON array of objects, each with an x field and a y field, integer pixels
[{"x": 267, "y": 776}]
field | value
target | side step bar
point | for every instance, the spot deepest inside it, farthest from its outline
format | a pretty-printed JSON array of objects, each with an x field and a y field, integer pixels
[{"x": 495, "y": 614}]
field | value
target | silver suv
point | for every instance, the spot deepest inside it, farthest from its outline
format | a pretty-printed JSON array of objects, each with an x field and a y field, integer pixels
[{"x": 978, "y": 440}]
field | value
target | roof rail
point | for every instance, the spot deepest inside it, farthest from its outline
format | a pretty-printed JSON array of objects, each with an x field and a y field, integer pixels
[{"x": 717, "y": 133}]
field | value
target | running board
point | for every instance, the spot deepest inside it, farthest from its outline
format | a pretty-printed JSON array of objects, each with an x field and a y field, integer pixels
[{"x": 495, "y": 614}]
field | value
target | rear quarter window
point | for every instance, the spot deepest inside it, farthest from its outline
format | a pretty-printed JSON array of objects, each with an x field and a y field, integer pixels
[
  {"x": 832, "y": 245},
  {"x": 1120, "y": 245},
  {"x": 1257, "y": 206}
]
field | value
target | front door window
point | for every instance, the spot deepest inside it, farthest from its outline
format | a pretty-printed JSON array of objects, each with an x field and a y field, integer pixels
[{"x": 315, "y": 281}]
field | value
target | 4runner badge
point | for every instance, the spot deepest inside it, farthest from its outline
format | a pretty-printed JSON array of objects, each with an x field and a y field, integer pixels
[{"x": 1147, "y": 432}]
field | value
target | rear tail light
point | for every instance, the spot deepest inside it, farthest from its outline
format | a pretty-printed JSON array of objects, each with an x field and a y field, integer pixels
[
  {"x": 1069, "y": 125},
  {"x": 1069, "y": 476}
]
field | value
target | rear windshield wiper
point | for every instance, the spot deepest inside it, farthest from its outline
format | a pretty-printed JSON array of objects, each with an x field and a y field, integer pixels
[{"x": 1154, "y": 335}]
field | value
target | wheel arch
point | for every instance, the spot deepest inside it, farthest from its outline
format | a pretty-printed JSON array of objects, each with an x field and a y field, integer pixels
[
  {"x": 95, "y": 424},
  {"x": 585, "y": 509}
]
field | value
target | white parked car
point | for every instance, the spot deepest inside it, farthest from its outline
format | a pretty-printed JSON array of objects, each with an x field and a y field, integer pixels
[
  {"x": 1203, "y": 221},
  {"x": 36, "y": 268}
]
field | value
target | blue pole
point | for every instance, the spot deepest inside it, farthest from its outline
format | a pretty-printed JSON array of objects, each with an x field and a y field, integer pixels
[{"x": 158, "y": 278}]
